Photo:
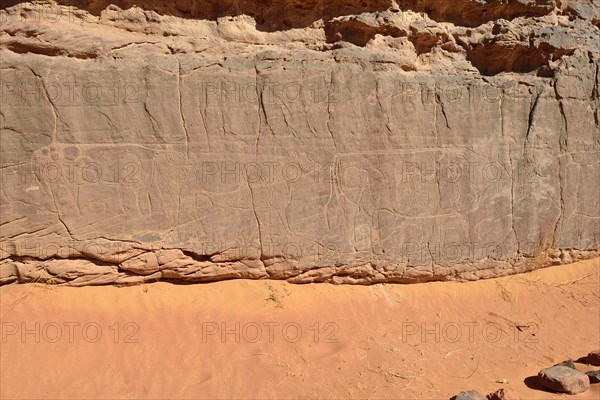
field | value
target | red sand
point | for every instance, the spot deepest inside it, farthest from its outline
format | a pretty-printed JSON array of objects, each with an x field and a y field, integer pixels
[{"x": 311, "y": 341}]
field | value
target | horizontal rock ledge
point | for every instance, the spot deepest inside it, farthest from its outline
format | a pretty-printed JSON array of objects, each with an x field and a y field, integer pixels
[{"x": 175, "y": 266}]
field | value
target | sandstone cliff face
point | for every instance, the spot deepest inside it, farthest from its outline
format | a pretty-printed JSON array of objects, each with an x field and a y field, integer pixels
[{"x": 314, "y": 141}]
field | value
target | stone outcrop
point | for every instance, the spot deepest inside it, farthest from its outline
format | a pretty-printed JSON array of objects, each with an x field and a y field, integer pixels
[{"x": 313, "y": 141}]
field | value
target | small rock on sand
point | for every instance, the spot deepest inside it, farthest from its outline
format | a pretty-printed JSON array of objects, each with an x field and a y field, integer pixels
[
  {"x": 594, "y": 357},
  {"x": 469, "y": 395},
  {"x": 504, "y": 394},
  {"x": 564, "y": 379},
  {"x": 594, "y": 376}
]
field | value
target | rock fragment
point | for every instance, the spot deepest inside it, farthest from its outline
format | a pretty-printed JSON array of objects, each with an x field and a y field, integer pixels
[
  {"x": 594, "y": 376},
  {"x": 504, "y": 394},
  {"x": 593, "y": 357},
  {"x": 564, "y": 380},
  {"x": 469, "y": 395}
]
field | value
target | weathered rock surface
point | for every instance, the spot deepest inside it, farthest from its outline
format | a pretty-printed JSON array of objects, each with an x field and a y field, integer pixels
[
  {"x": 593, "y": 357},
  {"x": 504, "y": 394},
  {"x": 321, "y": 141},
  {"x": 469, "y": 395},
  {"x": 567, "y": 363},
  {"x": 564, "y": 380},
  {"x": 594, "y": 376}
]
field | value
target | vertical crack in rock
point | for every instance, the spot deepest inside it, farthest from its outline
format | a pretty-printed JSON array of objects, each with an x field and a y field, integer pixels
[
  {"x": 202, "y": 113},
  {"x": 439, "y": 100},
  {"x": 55, "y": 113},
  {"x": 562, "y": 164},
  {"x": 185, "y": 130},
  {"x": 260, "y": 113},
  {"x": 530, "y": 121},
  {"x": 153, "y": 122},
  {"x": 260, "y": 235},
  {"x": 439, "y": 190},
  {"x": 113, "y": 128},
  {"x": 329, "y": 199},
  {"x": 431, "y": 255},
  {"x": 329, "y": 90},
  {"x": 295, "y": 133},
  {"x": 596, "y": 102},
  {"x": 564, "y": 133},
  {"x": 383, "y": 112},
  {"x": 502, "y": 94},
  {"x": 511, "y": 171},
  {"x": 61, "y": 220},
  {"x": 512, "y": 197},
  {"x": 561, "y": 180},
  {"x": 261, "y": 99}
]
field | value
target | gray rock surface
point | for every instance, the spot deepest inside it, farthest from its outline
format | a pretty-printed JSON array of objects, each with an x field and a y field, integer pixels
[
  {"x": 346, "y": 142},
  {"x": 567, "y": 363},
  {"x": 594, "y": 376},
  {"x": 564, "y": 380},
  {"x": 469, "y": 395}
]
